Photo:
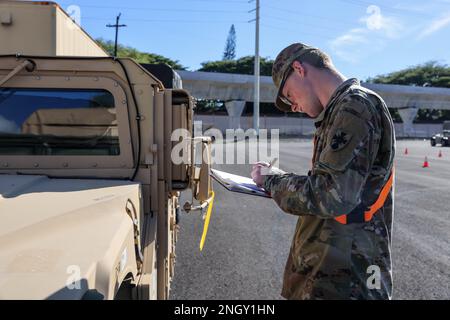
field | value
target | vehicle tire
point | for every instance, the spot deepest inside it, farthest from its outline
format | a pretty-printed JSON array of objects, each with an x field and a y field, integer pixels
[{"x": 433, "y": 143}]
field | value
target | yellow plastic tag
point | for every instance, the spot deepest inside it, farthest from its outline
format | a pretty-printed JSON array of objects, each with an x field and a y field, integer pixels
[{"x": 207, "y": 218}]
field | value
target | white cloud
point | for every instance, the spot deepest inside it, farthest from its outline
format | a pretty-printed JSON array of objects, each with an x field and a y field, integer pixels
[
  {"x": 356, "y": 35},
  {"x": 352, "y": 45},
  {"x": 434, "y": 26},
  {"x": 375, "y": 21},
  {"x": 347, "y": 46}
]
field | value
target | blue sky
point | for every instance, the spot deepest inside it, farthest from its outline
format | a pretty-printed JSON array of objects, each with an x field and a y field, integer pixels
[{"x": 364, "y": 38}]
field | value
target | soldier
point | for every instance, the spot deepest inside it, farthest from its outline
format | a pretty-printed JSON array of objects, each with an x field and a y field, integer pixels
[{"x": 342, "y": 243}]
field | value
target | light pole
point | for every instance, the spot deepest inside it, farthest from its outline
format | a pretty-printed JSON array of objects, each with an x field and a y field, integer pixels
[
  {"x": 117, "y": 26},
  {"x": 257, "y": 72}
]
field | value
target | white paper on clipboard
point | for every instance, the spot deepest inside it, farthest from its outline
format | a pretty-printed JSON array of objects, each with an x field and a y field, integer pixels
[{"x": 237, "y": 183}]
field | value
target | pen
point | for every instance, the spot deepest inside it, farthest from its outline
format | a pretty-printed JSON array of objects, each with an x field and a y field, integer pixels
[{"x": 271, "y": 163}]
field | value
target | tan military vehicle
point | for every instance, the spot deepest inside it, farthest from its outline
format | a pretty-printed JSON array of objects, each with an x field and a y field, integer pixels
[{"x": 89, "y": 191}]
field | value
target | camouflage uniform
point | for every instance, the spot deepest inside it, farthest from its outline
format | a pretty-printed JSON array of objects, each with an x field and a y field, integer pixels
[{"x": 353, "y": 154}]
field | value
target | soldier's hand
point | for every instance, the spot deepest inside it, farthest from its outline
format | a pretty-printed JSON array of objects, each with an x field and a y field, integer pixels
[
  {"x": 262, "y": 169},
  {"x": 256, "y": 175}
]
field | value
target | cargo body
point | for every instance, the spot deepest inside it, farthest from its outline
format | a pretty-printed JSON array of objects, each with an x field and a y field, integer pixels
[{"x": 43, "y": 28}]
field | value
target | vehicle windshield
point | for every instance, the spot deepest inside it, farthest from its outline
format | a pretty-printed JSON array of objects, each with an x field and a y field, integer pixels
[{"x": 58, "y": 122}]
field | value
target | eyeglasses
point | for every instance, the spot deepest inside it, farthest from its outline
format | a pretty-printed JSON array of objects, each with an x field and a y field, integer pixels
[
  {"x": 287, "y": 73},
  {"x": 285, "y": 100}
]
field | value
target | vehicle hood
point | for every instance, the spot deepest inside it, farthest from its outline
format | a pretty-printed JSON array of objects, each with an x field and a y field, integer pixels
[{"x": 54, "y": 231}]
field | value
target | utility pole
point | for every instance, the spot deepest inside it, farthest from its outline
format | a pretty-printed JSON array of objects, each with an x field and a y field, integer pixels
[
  {"x": 257, "y": 63},
  {"x": 117, "y": 26}
]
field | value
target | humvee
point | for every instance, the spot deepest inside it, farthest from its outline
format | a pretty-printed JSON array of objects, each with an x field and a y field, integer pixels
[
  {"x": 89, "y": 194},
  {"x": 442, "y": 138}
]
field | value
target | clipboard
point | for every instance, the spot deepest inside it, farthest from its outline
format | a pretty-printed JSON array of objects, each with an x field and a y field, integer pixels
[{"x": 239, "y": 184}]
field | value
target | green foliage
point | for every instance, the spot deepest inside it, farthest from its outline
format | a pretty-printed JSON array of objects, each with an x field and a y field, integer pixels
[
  {"x": 205, "y": 106},
  {"x": 244, "y": 65},
  {"x": 230, "y": 45},
  {"x": 429, "y": 74},
  {"x": 432, "y": 115},
  {"x": 141, "y": 57}
]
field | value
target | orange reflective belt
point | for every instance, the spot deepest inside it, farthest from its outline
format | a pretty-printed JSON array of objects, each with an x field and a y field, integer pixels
[{"x": 376, "y": 206}]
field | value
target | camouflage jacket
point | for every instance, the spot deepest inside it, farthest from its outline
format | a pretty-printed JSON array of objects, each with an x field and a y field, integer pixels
[{"x": 353, "y": 155}]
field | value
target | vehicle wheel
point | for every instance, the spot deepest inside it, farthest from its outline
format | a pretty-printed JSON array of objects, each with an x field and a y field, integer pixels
[{"x": 433, "y": 143}]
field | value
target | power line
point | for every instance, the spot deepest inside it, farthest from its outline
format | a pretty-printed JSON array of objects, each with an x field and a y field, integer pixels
[
  {"x": 298, "y": 32},
  {"x": 221, "y": 1},
  {"x": 394, "y": 11},
  {"x": 303, "y": 23},
  {"x": 209, "y": 1},
  {"x": 308, "y": 15},
  {"x": 163, "y": 10},
  {"x": 170, "y": 20}
]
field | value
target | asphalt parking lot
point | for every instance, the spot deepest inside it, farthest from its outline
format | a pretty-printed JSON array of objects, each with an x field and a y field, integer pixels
[{"x": 249, "y": 237}]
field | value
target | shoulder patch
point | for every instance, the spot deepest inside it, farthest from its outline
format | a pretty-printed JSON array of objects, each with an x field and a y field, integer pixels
[
  {"x": 340, "y": 139},
  {"x": 359, "y": 103}
]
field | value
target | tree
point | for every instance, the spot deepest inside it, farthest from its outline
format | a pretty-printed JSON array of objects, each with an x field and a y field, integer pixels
[
  {"x": 429, "y": 74},
  {"x": 230, "y": 45},
  {"x": 141, "y": 57},
  {"x": 244, "y": 65}
]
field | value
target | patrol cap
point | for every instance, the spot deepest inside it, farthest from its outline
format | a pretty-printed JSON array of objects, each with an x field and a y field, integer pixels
[{"x": 283, "y": 62}]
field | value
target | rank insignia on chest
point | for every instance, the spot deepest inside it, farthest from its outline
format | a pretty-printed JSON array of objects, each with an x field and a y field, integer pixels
[{"x": 339, "y": 140}]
